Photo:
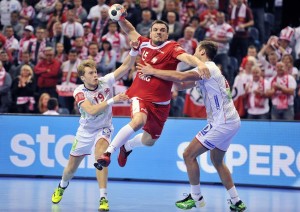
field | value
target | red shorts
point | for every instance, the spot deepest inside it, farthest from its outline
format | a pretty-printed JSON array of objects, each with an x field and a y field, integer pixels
[{"x": 156, "y": 115}]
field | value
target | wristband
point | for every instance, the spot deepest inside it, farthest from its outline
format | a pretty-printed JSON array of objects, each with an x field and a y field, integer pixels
[
  {"x": 133, "y": 52},
  {"x": 110, "y": 101}
]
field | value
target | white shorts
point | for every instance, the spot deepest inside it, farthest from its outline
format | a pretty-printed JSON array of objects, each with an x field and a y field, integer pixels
[
  {"x": 85, "y": 141},
  {"x": 218, "y": 136}
]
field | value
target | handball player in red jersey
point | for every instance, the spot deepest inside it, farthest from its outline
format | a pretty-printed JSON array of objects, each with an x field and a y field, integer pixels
[{"x": 150, "y": 95}]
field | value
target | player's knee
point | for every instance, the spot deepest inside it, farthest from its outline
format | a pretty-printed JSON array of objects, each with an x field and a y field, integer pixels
[
  {"x": 137, "y": 123},
  {"x": 187, "y": 156},
  {"x": 148, "y": 142}
]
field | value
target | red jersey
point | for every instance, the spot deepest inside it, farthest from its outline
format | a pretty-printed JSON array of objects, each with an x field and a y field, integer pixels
[{"x": 163, "y": 57}]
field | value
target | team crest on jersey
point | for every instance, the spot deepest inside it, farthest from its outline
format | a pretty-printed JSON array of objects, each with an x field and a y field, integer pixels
[
  {"x": 206, "y": 129},
  {"x": 154, "y": 59},
  {"x": 106, "y": 90},
  {"x": 106, "y": 132},
  {"x": 79, "y": 97}
]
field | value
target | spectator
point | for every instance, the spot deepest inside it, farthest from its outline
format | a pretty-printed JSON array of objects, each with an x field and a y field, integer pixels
[
  {"x": 57, "y": 16},
  {"x": 93, "y": 53},
  {"x": 15, "y": 70},
  {"x": 80, "y": 12},
  {"x": 71, "y": 28},
  {"x": 269, "y": 63},
  {"x": 4, "y": 58},
  {"x": 157, "y": 6},
  {"x": 11, "y": 44},
  {"x": 52, "y": 107},
  {"x": 88, "y": 36},
  {"x": 282, "y": 93},
  {"x": 117, "y": 40},
  {"x": 17, "y": 25},
  {"x": 108, "y": 59},
  {"x": 81, "y": 49},
  {"x": 170, "y": 6},
  {"x": 258, "y": 102},
  {"x": 6, "y": 8},
  {"x": 208, "y": 17},
  {"x": 27, "y": 12},
  {"x": 189, "y": 44},
  {"x": 47, "y": 71},
  {"x": 175, "y": 27},
  {"x": 252, "y": 52},
  {"x": 100, "y": 26},
  {"x": 58, "y": 37},
  {"x": 95, "y": 11},
  {"x": 27, "y": 36},
  {"x": 144, "y": 26},
  {"x": 44, "y": 8},
  {"x": 288, "y": 61},
  {"x": 5, "y": 93},
  {"x": 43, "y": 101},
  {"x": 186, "y": 12},
  {"x": 144, "y": 5},
  {"x": 194, "y": 22},
  {"x": 240, "y": 19},
  {"x": 60, "y": 54},
  {"x": 36, "y": 46},
  {"x": 222, "y": 33},
  {"x": 68, "y": 80},
  {"x": 23, "y": 88}
]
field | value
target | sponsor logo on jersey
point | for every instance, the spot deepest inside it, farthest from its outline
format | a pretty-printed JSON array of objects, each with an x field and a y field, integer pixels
[
  {"x": 106, "y": 132},
  {"x": 106, "y": 90},
  {"x": 154, "y": 59},
  {"x": 206, "y": 129},
  {"x": 144, "y": 77}
]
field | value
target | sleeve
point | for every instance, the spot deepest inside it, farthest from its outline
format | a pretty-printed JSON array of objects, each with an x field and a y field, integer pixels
[
  {"x": 292, "y": 82},
  {"x": 110, "y": 79},
  {"x": 78, "y": 96},
  {"x": 177, "y": 50}
]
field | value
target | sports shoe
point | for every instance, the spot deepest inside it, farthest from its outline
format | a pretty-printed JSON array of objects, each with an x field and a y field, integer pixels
[
  {"x": 103, "y": 204},
  {"x": 98, "y": 166},
  {"x": 122, "y": 158},
  {"x": 58, "y": 194},
  {"x": 189, "y": 203},
  {"x": 239, "y": 206},
  {"x": 104, "y": 159}
]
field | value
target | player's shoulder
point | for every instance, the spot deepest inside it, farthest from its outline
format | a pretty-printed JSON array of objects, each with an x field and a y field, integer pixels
[{"x": 80, "y": 88}]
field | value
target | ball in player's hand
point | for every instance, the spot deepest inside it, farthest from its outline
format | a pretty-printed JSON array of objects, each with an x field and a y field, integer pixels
[{"x": 117, "y": 12}]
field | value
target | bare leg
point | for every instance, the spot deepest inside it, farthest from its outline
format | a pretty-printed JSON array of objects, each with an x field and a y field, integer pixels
[
  {"x": 217, "y": 158},
  {"x": 194, "y": 149},
  {"x": 100, "y": 148},
  {"x": 71, "y": 168}
]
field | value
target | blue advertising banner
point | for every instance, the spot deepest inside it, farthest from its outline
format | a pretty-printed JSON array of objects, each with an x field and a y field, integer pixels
[{"x": 262, "y": 153}]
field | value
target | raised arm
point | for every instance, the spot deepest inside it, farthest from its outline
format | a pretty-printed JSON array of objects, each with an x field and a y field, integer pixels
[
  {"x": 129, "y": 29},
  {"x": 125, "y": 67},
  {"x": 194, "y": 61},
  {"x": 170, "y": 75}
]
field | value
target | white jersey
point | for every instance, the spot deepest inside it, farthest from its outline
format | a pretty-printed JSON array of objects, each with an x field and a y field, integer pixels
[
  {"x": 217, "y": 97},
  {"x": 91, "y": 123}
]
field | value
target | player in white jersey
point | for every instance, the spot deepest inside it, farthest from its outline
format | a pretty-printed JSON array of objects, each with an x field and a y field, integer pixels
[
  {"x": 223, "y": 124},
  {"x": 94, "y": 98}
]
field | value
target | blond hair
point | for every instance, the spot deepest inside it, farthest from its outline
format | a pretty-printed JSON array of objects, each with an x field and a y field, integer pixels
[
  {"x": 43, "y": 109},
  {"x": 86, "y": 63}
]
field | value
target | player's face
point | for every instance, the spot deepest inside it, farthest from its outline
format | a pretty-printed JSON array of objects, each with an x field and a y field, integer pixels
[
  {"x": 90, "y": 78},
  {"x": 159, "y": 34}
]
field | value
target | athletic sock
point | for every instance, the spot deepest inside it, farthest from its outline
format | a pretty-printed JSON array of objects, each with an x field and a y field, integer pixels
[
  {"x": 63, "y": 184},
  {"x": 234, "y": 195},
  {"x": 103, "y": 193},
  {"x": 196, "y": 192},
  {"x": 121, "y": 138},
  {"x": 135, "y": 142}
]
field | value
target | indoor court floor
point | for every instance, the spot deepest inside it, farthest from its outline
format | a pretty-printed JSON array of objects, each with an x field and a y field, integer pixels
[{"x": 34, "y": 194}]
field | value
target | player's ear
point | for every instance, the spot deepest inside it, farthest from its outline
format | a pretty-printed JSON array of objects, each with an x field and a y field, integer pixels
[
  {"x": 82, "y": 78},
  {"x": 202, "y": 52}
]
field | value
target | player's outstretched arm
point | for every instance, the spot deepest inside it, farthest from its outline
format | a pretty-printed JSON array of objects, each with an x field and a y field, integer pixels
[
  {"x": 125, "y": 67},
  {"x": 194, "y": 61},
  {"x": 91, "y": 109},
  {"x": 169, "y": 75},
  {"x": 129, "y": 29}
]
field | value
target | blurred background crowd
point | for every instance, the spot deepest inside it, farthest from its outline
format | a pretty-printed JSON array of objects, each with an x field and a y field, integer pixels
[{"x": 42, "y": 42}]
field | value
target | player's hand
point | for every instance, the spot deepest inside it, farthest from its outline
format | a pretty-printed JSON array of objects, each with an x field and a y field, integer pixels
[
  {"x": 203, "y": 72},
  {"x": 145, "y": 69},
  {"x": 134, "y": 44},
  {"x": 121, "y": 97}
]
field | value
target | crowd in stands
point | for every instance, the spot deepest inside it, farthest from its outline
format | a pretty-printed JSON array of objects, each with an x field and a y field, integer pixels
[{"x": 43, "y": 41}]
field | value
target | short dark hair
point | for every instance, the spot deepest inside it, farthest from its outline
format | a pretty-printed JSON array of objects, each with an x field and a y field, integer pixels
[
  {"x": 159, "y": 22},
  {"x": 210, "y": 47},
  {"x": 52, "y": 103}
]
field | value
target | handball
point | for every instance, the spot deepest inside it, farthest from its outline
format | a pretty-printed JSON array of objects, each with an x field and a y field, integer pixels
[{"x": 117, "y": 12}]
